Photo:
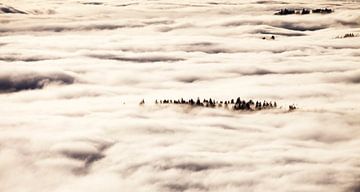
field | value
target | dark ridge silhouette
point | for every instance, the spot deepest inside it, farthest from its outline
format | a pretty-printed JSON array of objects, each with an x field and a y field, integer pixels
[
  {"x": 303, "y": 11},
  {"x": 285, "y": 12},
  {"x": 142, "y": 102},
  {"x": 292, "y": 107},
  {"x": 322, "y": 10},
  {"x": 235, "y": 105},
  {"x": 348, "y": 35}
]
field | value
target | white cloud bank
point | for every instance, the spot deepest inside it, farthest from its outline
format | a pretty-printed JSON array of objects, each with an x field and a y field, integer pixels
[{"x": 72, "y": 74}]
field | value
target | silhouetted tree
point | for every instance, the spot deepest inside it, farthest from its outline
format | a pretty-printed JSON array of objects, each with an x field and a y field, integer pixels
[
  {"x": 238, "y": 100},
  {"x": 142, "y": 102},
  {"x": 198, "y": 103}
]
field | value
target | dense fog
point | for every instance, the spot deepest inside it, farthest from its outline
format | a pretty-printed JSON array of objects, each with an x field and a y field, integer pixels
[{"x": 72, "y": 74}]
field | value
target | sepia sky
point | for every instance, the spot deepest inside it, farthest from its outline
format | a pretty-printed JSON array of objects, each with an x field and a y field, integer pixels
[{"x": 73, "y": 72}]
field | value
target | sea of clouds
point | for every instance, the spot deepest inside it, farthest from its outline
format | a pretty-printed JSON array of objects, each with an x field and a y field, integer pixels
[{"x": 72, "y": 74}]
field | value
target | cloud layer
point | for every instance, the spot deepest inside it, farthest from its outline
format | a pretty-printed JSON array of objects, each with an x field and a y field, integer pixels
[{"x": 72, "y": 74}]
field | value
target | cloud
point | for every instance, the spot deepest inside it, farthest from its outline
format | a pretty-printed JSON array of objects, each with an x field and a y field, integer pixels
[
  {"x": 60, "y": 28},
  {"x": 140, "y": 59},
  {"x": 351, "y": 77},
  {"x": 12, "y": 58},
  {"x": 6, "y": 10},
  {"x": 93, "y": 3},
  {"x": 295, "y": 25},
  {"x": 355, "y": 189},
  {"x": 32, "y": 80},
  {"x": 72, "y": 74},
  {"x": 86, "y": 151}
]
